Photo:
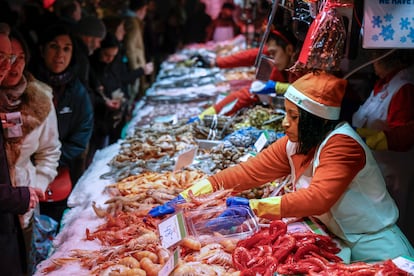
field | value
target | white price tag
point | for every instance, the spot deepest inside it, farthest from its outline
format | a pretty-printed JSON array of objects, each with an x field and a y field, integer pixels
[
  {"x": 170, "y": 264},
  {"x": 405, "y": 263},
  {"x": 261, "y": 142},
  {"x": 172, "y": 230},
  {"x": 185, "y": 159}
]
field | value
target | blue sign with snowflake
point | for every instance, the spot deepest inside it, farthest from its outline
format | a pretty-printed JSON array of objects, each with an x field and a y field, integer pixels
[{"x": 388, "y": 24}]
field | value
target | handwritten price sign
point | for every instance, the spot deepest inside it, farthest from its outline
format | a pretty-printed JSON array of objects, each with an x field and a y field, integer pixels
[{"x": 172, "y": 230}]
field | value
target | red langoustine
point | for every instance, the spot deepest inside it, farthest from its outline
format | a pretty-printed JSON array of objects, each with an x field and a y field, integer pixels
[{"x": 274, "y": 250}]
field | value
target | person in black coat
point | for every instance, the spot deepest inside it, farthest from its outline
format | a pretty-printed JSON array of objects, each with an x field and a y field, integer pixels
[{"x": 14, "y": 201}]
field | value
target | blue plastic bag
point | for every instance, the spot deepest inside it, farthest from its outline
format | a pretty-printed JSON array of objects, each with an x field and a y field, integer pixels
[{"x": 44, "y": 231}]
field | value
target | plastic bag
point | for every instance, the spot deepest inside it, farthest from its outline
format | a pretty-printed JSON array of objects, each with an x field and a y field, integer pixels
[
  {"x": 323, "y": 48},
  {"x": 44, "y": 231}
]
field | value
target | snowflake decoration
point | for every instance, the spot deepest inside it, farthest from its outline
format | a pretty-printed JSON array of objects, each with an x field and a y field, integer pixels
[
  {"x": 375, "y": 38},
  {"x": 388, "y": 17},
  {"x": 411, "y": 35},
  {"x": 405, "y": 23},
  {"x": 387, "y": 32},
  {"x": 403, "y": 39},
  {"x": 376, "y": 21}
]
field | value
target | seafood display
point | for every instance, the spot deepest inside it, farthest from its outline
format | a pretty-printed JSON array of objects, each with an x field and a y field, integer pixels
[
  {"x": 142, "y": 192},
  {"x": 131, "y": 246},
  {"x": 118, "y": 237},
  {"x": 217, "y": 127},
  {"x": 150, "y": 148}
]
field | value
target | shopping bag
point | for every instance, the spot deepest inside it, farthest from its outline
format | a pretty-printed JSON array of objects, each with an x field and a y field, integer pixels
[
  {"x": 60, "y": 188},
  {"x": 44, "y": 231}
]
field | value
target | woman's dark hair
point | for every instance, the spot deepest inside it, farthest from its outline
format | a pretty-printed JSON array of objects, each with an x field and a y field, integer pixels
[
  {"x": 112, "y": 22},
  {"x": 16, "y": 35},
  {"x": 54, "y": 31},
  {"x": 135, "y": 5},
  {"x": 283, "y": 37},
  {"x": 312, "y": 130}
]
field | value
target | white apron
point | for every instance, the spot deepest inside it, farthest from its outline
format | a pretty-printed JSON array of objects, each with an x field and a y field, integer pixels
[
  {"x": 367, "y": 195},
  {"x": 396, "y": 167}
]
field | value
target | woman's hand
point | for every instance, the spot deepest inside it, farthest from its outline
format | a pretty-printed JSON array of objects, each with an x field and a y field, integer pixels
[
  {"x": 113, "y": 104},
  {"x": 36, "y": 194},
  {"x": 148, "y": 68}
]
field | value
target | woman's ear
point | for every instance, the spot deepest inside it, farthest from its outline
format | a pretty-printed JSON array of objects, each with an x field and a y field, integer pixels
[{"x": 290, "y": 50}]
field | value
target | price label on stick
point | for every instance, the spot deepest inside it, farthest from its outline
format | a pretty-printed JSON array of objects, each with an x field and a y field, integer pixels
[
  {"x": 172, "y": 230},
  {"x": 185, "y": 159},
  {"x": 170, "y": 264},
  {"x": 261, "y": 141}
]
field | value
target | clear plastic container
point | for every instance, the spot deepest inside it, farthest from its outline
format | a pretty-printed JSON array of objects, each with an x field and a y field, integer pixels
[{"x": 238, "y": 224}]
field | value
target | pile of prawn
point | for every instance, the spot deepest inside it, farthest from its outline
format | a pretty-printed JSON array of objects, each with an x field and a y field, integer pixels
[
  {"x": 131, "y": 246},
  {"x": 140, "y": 193}
]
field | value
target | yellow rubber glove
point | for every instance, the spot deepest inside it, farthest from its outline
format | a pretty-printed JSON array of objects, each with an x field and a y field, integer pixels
[
  {"x": 208, "y": 111},
  {"x": 199, "y": 188},
  {"x": 268, "y": 207},
  {"x": 375, "y": 139},
  {"x": 281, "y": 87},
  {"x": 269, "y": 87}
]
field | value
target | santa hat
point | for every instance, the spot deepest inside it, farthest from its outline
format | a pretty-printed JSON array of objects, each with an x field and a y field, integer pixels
[{"x": 318, "y": 93}]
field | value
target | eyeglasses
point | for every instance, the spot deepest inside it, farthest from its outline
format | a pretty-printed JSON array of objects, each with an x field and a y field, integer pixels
[{"x": 4, "y": 57}]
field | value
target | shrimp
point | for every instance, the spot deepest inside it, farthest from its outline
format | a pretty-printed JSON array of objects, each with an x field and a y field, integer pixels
[
  {"x": 57, "y": 263},
  {"x": 209, "y": 247},
  {"x": 229, "y": 244},
  {"x": 130, "y": 262},
  {"x": 150, "y": 268},
  {"x": 199, "y": 200},
  {"x": 99, "y": 211},
  {"x": 142, "y": 241},
  {"x": 122, "y": 270},
  {"x": 148, "y": 254},
  {"x": 196, "y": 269},
  {"x": 221, "y": 258},
  {"x": 163, "y": 254},
  {"x": 191, "y": 243}
]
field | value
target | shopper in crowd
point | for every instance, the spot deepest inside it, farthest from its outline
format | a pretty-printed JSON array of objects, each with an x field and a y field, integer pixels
[
  {"x": 196, "y": 24},
  {"x": 389, "y": 106},
  {"x": 111, "y": 102},
  {"x": 71, "y": 100},
  {"x": 14, "y": 201},
  {"x": 282, "y": 47},
  {"x": 224, "y": 27},
  {"x": 134, "y": 43},
  {"x": 174, "y": 27},
  {"x": 154, "y": 33},
  {"x": 68, "y": 11},
  {"x": 30, "y": 131},
  {"x": 6, "y": 57},
  {"x": 116, "y": 26},
  {"x": 334, "y": 174},
  {"x": 89, "y": 32}
]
